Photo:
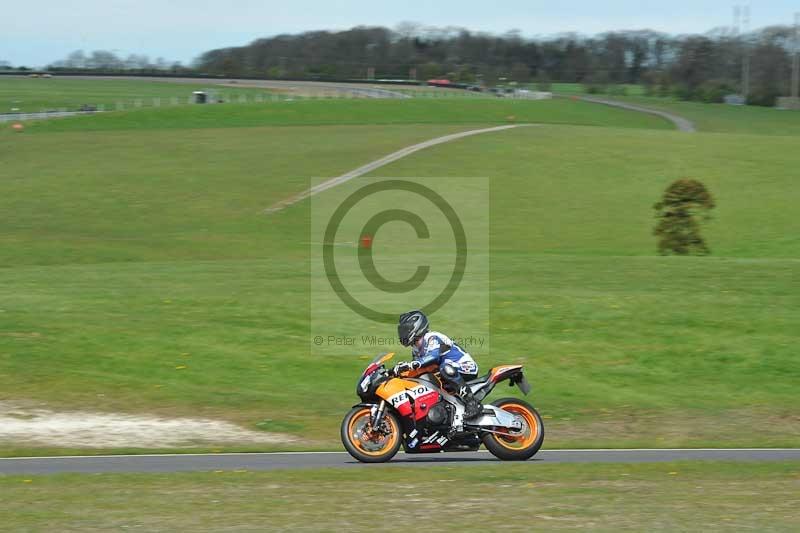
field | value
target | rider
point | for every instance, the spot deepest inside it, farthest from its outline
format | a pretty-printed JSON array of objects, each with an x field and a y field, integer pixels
[{"x": 431, "y": 347}]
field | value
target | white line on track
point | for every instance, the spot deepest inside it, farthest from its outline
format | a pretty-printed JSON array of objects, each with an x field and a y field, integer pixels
[
  {"x": 584, "y": 450},
  {"x": 369, "y": 167}
]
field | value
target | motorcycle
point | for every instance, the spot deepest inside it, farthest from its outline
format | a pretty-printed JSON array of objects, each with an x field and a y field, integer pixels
[{"x": 414, "y": 411}]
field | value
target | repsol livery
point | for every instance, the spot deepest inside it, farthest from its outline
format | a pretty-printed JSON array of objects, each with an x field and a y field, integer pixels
[{"x": 409, "y": 408}]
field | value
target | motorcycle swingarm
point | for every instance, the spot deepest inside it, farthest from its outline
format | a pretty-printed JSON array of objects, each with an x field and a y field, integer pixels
[{"x": 499, "y": 418}]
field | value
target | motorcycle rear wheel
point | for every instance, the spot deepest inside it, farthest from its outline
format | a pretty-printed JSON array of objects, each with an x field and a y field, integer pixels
[
  {"x": 519, "y": 447},
  {"x": 370, "y": 445}
]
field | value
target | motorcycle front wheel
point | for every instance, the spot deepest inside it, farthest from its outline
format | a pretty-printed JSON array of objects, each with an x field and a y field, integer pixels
[
  {"x": 517, "y": 446},
  {"x": 368, "y": 444}
]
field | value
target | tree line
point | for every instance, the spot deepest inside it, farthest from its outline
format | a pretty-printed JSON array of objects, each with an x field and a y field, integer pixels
[
  {"x": 692, "y": 67},
  {"x": 106, "y": 61},
  {"x": 695, "y": 67}
]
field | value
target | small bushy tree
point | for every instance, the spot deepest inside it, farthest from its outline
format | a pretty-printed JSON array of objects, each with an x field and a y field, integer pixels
[{"x": 686, "y": 203}]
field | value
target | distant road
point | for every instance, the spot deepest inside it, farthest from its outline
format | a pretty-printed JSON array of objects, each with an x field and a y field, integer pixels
[
  {"x": 369, "y": 167},
  {"x": 681, "y": 123},
  {"x": 298, "y": 460}
]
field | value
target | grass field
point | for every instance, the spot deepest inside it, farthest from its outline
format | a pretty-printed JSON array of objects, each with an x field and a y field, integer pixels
[
  {"x": 131, "y": 247},
  {"x": 33, "y": 95},
  {"x": 522, "y": 497},
  {"x": 204, "y": 187},
  {"x": 358, "y": 112}
]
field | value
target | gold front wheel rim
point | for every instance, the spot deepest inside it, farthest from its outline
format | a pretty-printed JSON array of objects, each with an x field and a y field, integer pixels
[{"x": 357, "y": 426}]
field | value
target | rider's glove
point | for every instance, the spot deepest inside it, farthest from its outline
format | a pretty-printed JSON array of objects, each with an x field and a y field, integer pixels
[{"x": 404, "y": 366}]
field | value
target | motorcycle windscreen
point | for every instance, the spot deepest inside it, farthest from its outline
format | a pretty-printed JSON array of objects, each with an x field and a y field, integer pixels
[{"x": 376, "y": 363}]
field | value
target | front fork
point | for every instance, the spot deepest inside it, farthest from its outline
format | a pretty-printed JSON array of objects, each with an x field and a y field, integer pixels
[{"x": 376, "y": 414}]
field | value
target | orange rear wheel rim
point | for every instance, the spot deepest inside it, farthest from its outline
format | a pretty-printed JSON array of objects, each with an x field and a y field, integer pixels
[
  {"x": 529, "y": 434},
  {"x": 357, "y": 426}
]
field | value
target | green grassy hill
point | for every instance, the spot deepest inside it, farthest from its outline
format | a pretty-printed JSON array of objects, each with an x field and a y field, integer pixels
[
  {"x": 137, "y": 264},
  {"x": 614, "y": 332}
]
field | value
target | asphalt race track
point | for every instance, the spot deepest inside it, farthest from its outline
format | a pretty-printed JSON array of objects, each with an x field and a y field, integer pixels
[
  {"x": 681, "y": 123},
  {"x": 295, "y": 460}
]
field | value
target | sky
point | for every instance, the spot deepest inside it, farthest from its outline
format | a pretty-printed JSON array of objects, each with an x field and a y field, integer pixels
[{"x": 38, "y": 32}]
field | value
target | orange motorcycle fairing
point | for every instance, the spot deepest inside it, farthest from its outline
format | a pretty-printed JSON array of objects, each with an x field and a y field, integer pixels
[
  {"x": 399, "y": 392},
  {"x": 498, "y": 373}
]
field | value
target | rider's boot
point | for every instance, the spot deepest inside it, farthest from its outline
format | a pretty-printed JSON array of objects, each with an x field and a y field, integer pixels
[
  {"x": 472, "y": 407},
  {"x": 451, "y": 376}
]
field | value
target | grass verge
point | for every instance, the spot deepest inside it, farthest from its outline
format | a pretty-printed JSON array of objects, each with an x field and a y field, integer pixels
[{"x": 707, "y": 496}]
